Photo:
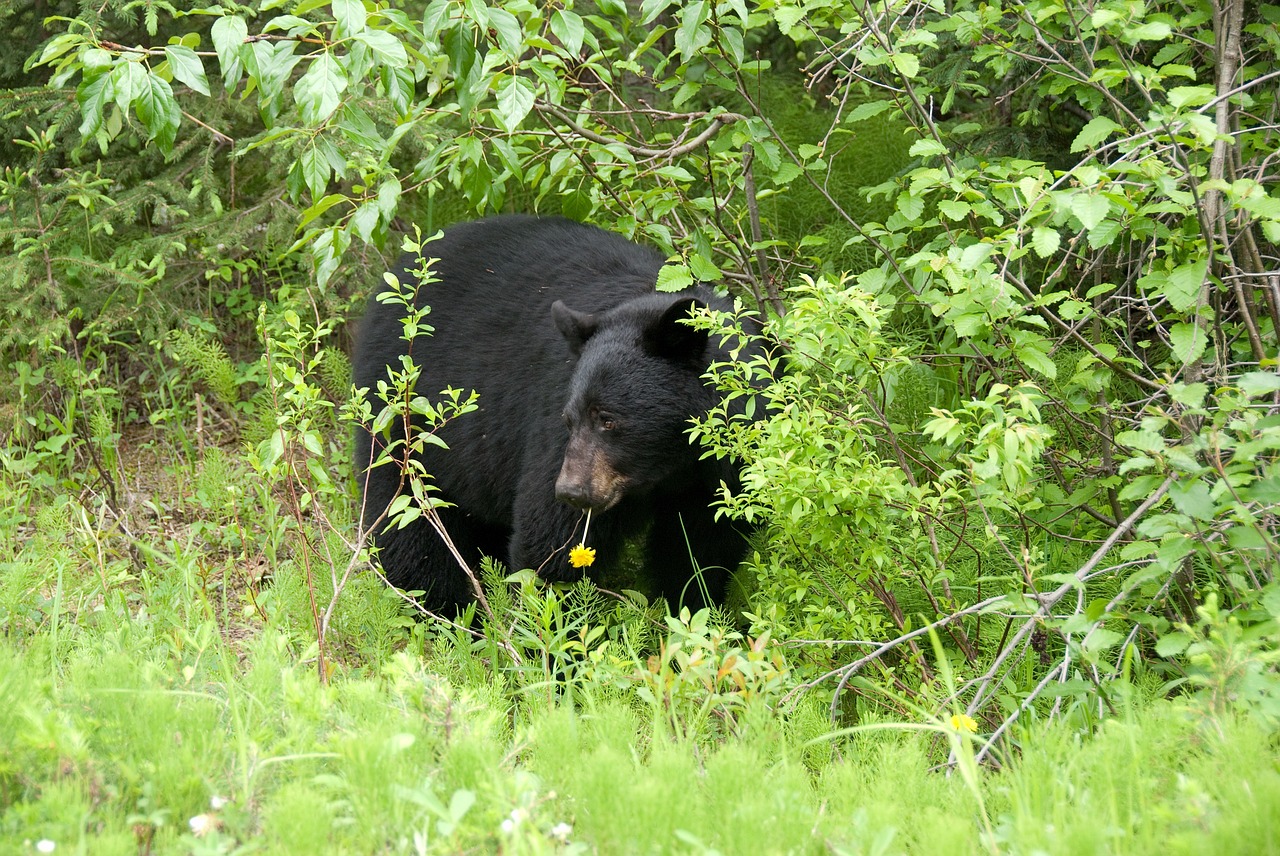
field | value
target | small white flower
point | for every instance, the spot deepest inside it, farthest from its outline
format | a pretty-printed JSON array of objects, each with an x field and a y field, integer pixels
[
  {"x": 44, "y": 845},
  {"x": 217, "y": 803},
  {"x": 202, "y": 824},
  {"x": 507, "y": 827},
  {"x": 561, "y": 831}
]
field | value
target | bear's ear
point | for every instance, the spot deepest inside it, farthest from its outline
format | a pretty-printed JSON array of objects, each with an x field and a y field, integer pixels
[
  {"x": 576, "y": 327},
  {"x": 672, "y": 337}
]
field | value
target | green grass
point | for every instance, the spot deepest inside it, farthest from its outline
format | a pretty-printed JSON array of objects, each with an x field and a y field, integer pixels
[{"x": 123, "y": 725}]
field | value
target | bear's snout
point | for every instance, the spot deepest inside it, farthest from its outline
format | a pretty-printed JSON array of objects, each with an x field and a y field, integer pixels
[{"x": 587, "y": 480}]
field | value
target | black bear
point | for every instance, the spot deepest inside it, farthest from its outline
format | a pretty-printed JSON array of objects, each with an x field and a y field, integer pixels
[{"x": 587, "y": 380}]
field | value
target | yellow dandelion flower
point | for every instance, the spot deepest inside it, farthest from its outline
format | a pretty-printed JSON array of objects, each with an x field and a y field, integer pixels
[
  {"x": 964, "y": 722},
  {"x": 582, "y": 556}
]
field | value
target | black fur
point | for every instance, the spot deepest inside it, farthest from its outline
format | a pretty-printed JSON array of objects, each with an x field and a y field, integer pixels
[{"x": 556, "y": 324}]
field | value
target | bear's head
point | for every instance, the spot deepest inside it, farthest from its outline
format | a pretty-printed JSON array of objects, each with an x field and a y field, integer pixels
[{"x": 636, "y": 384}]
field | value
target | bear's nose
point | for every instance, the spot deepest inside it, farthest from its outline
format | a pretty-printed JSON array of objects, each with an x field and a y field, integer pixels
[{"x": 573, "y": 492}]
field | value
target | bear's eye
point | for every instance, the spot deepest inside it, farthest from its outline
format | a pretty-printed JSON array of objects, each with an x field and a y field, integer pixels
[{"x": 606, "y": 421}]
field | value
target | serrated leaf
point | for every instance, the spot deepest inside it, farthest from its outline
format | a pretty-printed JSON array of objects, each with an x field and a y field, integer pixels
[
  {"x": 1045, "y": 241},
  {"x": 865, "y": 111},
  {"x": 228, "y": 34},
  {"x": 1182, "y": 287},
  {"x": 1188, "y": 342},
  {"x": 927, "y": 147},
  {"x": 1097, "y": 130},
  {"x": 1090, "y": 208},
  {"x": 515, "y": 99},
  {"x": 975, "y": 254},
  {"x": 1257, "y": 384},
  {"x": 1172, "y": 644},
  {"x": 908, "y": 65},
  {"x": 1193, "y": 499},
  {"x": 1104, "y": 234},
  {"x": 187, "y": 67},
  {"x": 1037, "y": 360},
  {"x": 674, "y": 276}
]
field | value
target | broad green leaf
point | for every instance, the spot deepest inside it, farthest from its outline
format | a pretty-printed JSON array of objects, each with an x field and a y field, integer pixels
[
  {"x": 787, "y": 17},
  {"x": 569, "y": 29},
  {"x": 158, "y": 111},
  {"x": 365, "y": 220},
  {"x": 1193, "y": 499},
  {"x": 350, "y": 16},
  {"x": 508, "y": 30},
  {"x": 674, "y": 277},
  {"x": 386, "y": 47},
  {"x": 1184, "y": 283},
  {"x": 1188, "y": 341},
  {"x": 319, "y": 92},
  {"x": 515, "y": 99},
  {"x": 908, "y": 65},
  {"x": 1090, "y": 208},
  {"x": 1036, "y": 358},
  {"x": 187, "y": 67},
  {"x": 1256, "y": 384},
  {"x": 1045, "y": 241},
  {"x": 315, "y": 171},
  {"x": 129, "y": 79},
  {"x": 954, "y": 209},
  {"x": 228, "y": 34},
  {"x": 94, "y": 94},
  {"x": 651, "y": 9},
  {"x": 865, "y": 111},
  {"x": 1093, "y": 133},
  {"x": 926, "y": 147},
  {"x": 975, "y": 254},
  {"x": 1191, "y": 96},
  {"x": 1104, "y": 234}
]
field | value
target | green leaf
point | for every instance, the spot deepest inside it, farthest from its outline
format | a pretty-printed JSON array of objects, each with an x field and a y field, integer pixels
[
  {"x": 1188, "y": 341},
  {"x": 158, "y": 111},
  {"x": 1045, "y": 241},
  {"x": 510, "y": 33},
  {"x": 1191, "y": 96},
  {"x": 569, "y": 29},
  {"x": 228, "y": 34},
  {"x": 1104, "y": 234},
  {"x": 674, "y": 276},
  {"x": 315, "y": 171},
  {"x": 927, "y": 147},
  {"x": 187, "y": 67},
  {"x": 1184, "y": 282},
  {"x": 1172, "y": 644},
  {"x": 1258, "y": 384},
  {"x": 865, "y": 111},
  {"x": 651, "y": 9},
  {"x": 1090, "y": 208},
  {"x": 319, "y": 92},
  {"x": 975, "y": 254},
  {"x": 1036, "y": 357},
  {"x": 93, "y": 94},
  {"x": 350, "y": 16},
  {"x": 515, "y": 99},
  {"x": 1098, "y": 129},
  {"x": 908, "y": 65},
  {"x": 386, "y": 47},
  {"x": 1193, "y": 499}
]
